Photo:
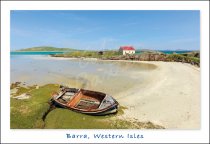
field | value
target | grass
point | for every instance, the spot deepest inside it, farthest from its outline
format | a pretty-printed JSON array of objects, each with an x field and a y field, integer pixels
[
  {"x": 109, "y": 54},
  {"x": 28, "y": 114},
  {"x": 192, "y": 57},
  {"x": 46, "y": 48},
  {"x": 89, "y": 54},
  {"x": 182, "y": 57},
  {"x": 66, "y": 119},
  {"x": 63, "y": 118},
  {"x": 82, "y": 54}
]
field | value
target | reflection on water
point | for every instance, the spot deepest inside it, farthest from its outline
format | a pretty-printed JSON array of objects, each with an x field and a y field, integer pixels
[{"x": 105, "y": 76}]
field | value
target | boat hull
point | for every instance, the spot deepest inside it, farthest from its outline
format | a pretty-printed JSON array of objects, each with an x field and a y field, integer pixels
[
  {"x": 102, "y": 109},
  {"x": 110, "y": 110}
]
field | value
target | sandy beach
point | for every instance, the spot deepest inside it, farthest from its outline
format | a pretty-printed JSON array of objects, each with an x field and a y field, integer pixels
[
  {"x": 170, "y": 97},
  {"x": 164, "y": 93}
]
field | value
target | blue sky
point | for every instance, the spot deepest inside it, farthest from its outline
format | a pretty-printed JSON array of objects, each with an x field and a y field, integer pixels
[{"x": 101, "y": 30}]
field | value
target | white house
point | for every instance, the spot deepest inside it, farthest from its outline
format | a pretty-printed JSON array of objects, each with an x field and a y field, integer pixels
[{"x": 127, "y": 50}]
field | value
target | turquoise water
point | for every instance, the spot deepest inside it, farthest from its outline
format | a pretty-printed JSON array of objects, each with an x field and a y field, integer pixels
[
  {"x": 35, "y": 53},
  {"x": 57, "y": 52},
  {"x": 168, "y": 51}
]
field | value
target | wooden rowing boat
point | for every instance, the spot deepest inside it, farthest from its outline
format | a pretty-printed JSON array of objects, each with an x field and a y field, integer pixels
[{"x": 85, "y": 101}]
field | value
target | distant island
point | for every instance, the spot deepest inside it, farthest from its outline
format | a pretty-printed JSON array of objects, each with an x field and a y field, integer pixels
[{"x": 45, "y": 48}]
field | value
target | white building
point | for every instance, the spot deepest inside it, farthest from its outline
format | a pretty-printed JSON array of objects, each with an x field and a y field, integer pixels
[{"x": 127, "y": 50}]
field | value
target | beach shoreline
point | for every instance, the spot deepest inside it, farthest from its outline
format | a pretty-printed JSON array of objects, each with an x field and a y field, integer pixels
[{"x": 169, "y": 96}]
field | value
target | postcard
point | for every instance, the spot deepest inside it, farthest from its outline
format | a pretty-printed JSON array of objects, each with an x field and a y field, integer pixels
[{"x": 103, "y": 75}]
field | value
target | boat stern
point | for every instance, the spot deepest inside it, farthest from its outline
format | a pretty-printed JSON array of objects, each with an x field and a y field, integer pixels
[{"x": 109, "y": 101}]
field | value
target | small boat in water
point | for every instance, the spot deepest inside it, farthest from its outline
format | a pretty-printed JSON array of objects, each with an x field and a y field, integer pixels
[{"x": 85, "y": 101}]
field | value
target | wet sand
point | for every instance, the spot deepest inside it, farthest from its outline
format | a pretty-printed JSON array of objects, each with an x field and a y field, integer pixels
[
  {"x": 165, "y": 93},
  {"x": 106, "y": 76}
]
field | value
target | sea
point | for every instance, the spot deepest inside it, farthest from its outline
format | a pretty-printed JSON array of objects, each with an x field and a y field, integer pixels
[
  {"x": 39, "y": 68},
  {"x": 170, "y": 51},
  {"x": 59, "y": 52}
]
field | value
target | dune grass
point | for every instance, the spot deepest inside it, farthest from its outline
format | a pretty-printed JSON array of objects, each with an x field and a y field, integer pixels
[{"x": 182, "y": 57}]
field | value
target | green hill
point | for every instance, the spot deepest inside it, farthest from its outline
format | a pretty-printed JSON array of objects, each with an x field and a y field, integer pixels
[{"x": 46, "y": 48}]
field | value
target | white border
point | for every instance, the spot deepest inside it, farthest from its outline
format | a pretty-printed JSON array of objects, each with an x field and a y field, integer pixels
[{"x": 59, "y": 136}]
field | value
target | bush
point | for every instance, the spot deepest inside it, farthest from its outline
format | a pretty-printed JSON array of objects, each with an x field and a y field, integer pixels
[{"x": 183, "y": 58}]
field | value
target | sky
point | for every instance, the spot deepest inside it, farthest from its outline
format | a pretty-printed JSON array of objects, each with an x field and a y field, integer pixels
[{"x": 106, "y": 30}]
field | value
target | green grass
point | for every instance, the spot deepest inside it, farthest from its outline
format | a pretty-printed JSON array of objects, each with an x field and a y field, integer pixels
[
  {"x": 109, "y": 54},
  {"x": 89, "y": 54},
  {"x": 63, "y": 118},
  {"x": 66, "y": 119},
  {"x": 46, "y": 48},
  {"x": 185, "y": 57},
  {"x": 194, "y": 59},
  {"x": 81, "y": 54},
  {"x": 28, "y": 114},
  {"x": 182, "y": 57}
]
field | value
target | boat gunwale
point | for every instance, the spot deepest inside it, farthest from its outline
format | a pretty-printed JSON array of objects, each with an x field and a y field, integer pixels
[{"x": 92, "y": 111}]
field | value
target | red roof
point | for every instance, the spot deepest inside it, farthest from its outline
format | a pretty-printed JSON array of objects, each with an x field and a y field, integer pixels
[{"x": 127, "y": 48}]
